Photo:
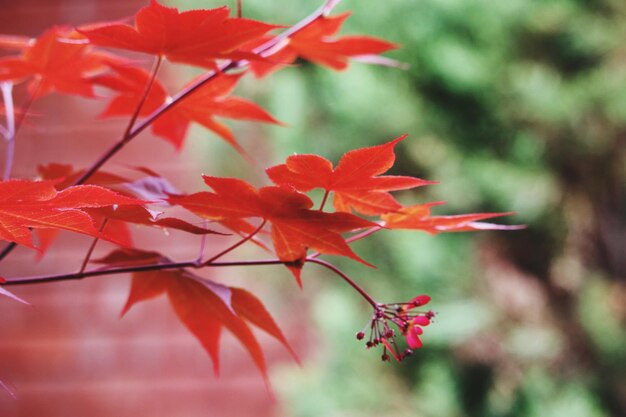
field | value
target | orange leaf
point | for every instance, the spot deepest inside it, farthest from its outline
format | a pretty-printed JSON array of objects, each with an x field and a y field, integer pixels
[
  {"x": 195, "y": 37},
  {"x": 37, "y": 204},
  {"x": 355, "y": 181},
  {"x": 60, "y": 60},
  {"x": 211, "y": 100},
  {"x": 418, "y": 218},
  {"x": 317, "y": 43},
  {"x": 205, "y": 307},
  {"x": 294, "y": 226}
]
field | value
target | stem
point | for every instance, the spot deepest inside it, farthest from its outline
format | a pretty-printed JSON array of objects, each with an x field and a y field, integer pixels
[
  {"x": 128, "y": 133},
  {"x": 322, "y": 11},
  {"x": 364, "y": 234},
  {"x": 7, "y": 249},
  {"x": 360, "y": 236},
  {"x": 138, "y": 268},
  {"x": 135, "y": 130},
  {"x": 239, "y": 7},
  {"x": 93, "y": 246},
  {"x": 236, "y": 245},
  {"x": 144, "y": 97},
  {"x": 346, "y": 278},
  {"x": 326, "y": 193},
  {"x": 205, "y": 224}
]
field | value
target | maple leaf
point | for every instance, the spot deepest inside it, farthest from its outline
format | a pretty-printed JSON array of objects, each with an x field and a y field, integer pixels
[
  {"x": 295, "y": 227},
  {"x": 195, "y": 37},
  {"x": 59, "y": 60},
  {"x": 118, "y": 218},
  {"x": 355, "y": 182},
  {"x": 65, "y": 175},
  {"x": 316, "y": 43},
  {"x": 203, "y": 306},
  {"x": 212, "y": 99},
  {"x": 418, "y": 217},
  {"x": 37, "y": 204}
]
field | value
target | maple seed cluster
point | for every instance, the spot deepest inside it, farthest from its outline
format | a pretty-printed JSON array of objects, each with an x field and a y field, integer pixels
[{"x": 408, "y": 321}]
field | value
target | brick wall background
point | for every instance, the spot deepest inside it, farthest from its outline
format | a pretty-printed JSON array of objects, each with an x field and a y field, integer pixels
[{"x": 69, "y": 354}]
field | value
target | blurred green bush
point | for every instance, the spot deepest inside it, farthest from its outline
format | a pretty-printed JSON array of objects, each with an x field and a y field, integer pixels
[{"x": 516, "y": 105}]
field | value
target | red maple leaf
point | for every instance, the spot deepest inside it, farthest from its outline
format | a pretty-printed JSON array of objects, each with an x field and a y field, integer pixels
[
  {"x": 317, "y": 43},
  {"x": 59, "y": 60},
  {"x": 418, "y": 217},
  {"x": 212, "y": 99},
  {"x": 203, "y": 306},
  {"x": 295, "y": 227},
  {"x": 355, "y": 182},
  {"x": 195, "y": 37},
  {"x": 118, "y": 218},
  {"x": 37, "y": 204}
]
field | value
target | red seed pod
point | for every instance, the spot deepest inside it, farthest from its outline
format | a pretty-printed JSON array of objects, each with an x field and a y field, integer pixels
[{"x": 360, "y": 335}]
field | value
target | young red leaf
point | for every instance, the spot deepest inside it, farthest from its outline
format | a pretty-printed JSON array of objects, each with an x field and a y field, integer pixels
[
  {"x": 141, "y": 215},
  {"x": 316, "y": 43},
  {"x": 195, "y": 37},
  {"x": 205, "y": 308},
  {"x": 116, "y": 229},
  {"x": 295, "y": 227},
  {"x": 59, "y": 60},
  {"x": 418, "y": 218},
  {"x": 37, "y": 204},
  {"x": 66, "y": 175},
  {"x": 211, "y": 100},
  {"x": 355, "y": 182},
  {"x": 249, "y": 307}
]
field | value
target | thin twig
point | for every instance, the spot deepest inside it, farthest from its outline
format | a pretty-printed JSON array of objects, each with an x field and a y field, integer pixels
[
  {"x": 326, "y": 193},
  {"x": 346, "y": 278},
  {"x": 205, "y": 225},
  {"x": 93, "y": 246},
  {"x": 145, "y": 123},
  {"x": 236, "y": 245},
  {"x": 354, "y": 238},
  {"x": 239, "y": 9},
  {"x": 138, "y": 268},
  {"x": 129, "y": 128}
]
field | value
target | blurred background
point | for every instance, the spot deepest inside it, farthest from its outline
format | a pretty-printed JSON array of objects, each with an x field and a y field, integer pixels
[{"x": 512, "y": 106}]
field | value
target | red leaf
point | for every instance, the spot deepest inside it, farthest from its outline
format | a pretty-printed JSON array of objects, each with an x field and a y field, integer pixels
[
  {"x": 211, "y": 100},
  {"x": 355, "y": 181},
  {"x": 205, "y": 308},
  {"x": 418, "y": 218},
  {"x": 295, "y": 227},
  {"x": 316, "y": 43},
  {"x": 37, "y": 204},
  {"x": 195, "y": 37},
  {"x": 250, "y": 308},
  {"x": 140, "y": 215},
  {"x": 66, "y": 176},
  {"x": 60, "y": 60}
]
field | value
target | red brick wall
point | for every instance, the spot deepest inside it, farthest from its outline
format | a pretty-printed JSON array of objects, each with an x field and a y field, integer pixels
[{"x": 69, "y": 354}]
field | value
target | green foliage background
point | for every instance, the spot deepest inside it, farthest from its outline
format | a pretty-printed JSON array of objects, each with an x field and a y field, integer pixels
[{"x": 516, "y": 105}]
